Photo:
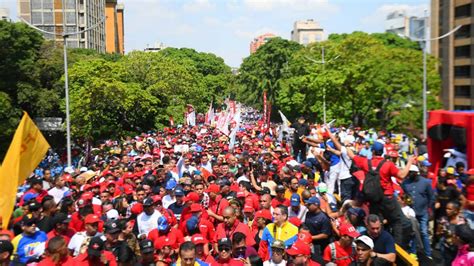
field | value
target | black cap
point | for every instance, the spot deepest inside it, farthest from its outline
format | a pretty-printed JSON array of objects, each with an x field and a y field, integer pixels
[
  {"x": 60, "y": 218},
  {"x": 148, "y": 202},
  {"x": 280, "y": 188},
  {"x": 28, "y": 221},
  {"x": 96, "y": 246},
  {"x": 112, "y": 227},
  {"x": 34, "y": 206},
  {"x": 224, "y": 242},
  {"x": 146, "y": 246},
  {"x": 6, "y": 246},
  {"x": 36, "y": 180},
  {"x": 224, "y": 182},
  {"x": 265, "y": 190}
]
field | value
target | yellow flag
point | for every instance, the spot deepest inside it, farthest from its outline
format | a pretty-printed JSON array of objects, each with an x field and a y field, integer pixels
[{"x": 25, "y": 153}]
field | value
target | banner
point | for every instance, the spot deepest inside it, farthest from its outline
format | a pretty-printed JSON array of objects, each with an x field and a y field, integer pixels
[
  {"x": 265, "y": 107},
  {"x": 209, "y": 115},
  {"x": 190, "y": 115},
  {"x": 171, "y": 121},
  {"x": 285, "y": 125},
  {"x": 26, "y": 151}
]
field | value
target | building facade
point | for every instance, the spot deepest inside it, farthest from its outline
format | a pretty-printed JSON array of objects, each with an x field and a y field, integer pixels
[
  {"x": 399, "y": 23},
  {"x": 73, "y": 16},
  {"x": 454, "y": 52},
  {"x": 259, "y": 41},
  {"x": 4, "y": 14},
  {"x": 307, "y": 31},
  {"x": 114, "y": 27}
]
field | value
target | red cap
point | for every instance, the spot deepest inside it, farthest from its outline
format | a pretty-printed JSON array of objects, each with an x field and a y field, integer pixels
[
  {"x": 87, "y": 196},
  {"x": 156, "y": 198},
  {"x": 346, "y": 229},
  {"x": 470, "y": 171},
  {"x": 127, "y": 189},
  {"x": 306, "y": 237},
  {"x": 192, "y": 196},
  {"x": 107, "y": 172},
  {"x": 86, "y": 187},
  {"x": 95, "y": 184},
  {"x": 195, "y": 207},
  {"x": 248, "y": 208},
  {"x": 266, "y": 214},
  {"x": 91, "y": 218},
  {"x": 8, "y": 233},
  {"x": 213, "y": 188},
  {"x": 299, "y": 248},
  {"x": 127, "y": 175},
  {"x": 137, "y": 208},
  {"x": 199, "y": 239},
  {"x": 295, "y": 221},
  {"x": 110, "y": 182}
]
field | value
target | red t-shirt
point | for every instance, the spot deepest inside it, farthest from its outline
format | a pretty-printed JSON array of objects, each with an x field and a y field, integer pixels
[
  {"x": 67, "y": 235},
  {"x": 470, "y": 194},
  {"x": 222, "y": 232},
  {"x": 231, "y": 262},
  {"x": 252, "y": 200},
  {"x": 174, "y": 233},
  {"x": 340, "y": 253},
  {"x": 386, "y": 172},
  {"x": 48, "y": 262},
  {"x": 276, "y": 202},
  {"x": 83, "y": 260}
]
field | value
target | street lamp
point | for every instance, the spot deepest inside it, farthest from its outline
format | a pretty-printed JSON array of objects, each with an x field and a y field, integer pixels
[
  {"x": 65, "y": 34},
  {"x": 323, "y": 62},
  {"x": 423, "y": 44}
]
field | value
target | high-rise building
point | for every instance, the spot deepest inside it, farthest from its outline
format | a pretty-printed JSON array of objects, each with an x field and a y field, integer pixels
[
  {"x": 307, "y": 31},
  {"x": 114, "y": 27},
  {"x": 455, "y": 52},
  {"x": 76, "y": 15},
  {"x": 4, "y": 14},
  {"x": 399, "y": 23},
  {"x": 259, "y": 41}
]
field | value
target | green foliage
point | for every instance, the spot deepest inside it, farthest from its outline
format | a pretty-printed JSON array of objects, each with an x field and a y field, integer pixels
[{"x": 369, "y": 80}]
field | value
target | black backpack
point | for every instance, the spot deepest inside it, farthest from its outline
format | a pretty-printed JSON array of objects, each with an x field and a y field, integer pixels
[{"x": 372, "y": 189}]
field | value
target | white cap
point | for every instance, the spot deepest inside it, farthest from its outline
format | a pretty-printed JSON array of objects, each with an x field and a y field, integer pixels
[
  {"x": 414, "y": 168},
  {"x": 83, "y": 169},
  {"x": 366, "y": 240},
  {"x": 112, "y": 214},
  {"x": 242, "y": 178},
  {"x": 69, "y": 170}
]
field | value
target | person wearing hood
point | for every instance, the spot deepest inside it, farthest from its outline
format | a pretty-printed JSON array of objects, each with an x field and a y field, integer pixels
[{"x": 419, "y": 188}]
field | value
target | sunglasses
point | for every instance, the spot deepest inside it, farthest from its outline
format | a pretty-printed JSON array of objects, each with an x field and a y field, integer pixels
[{"x": 226, "y": 249}]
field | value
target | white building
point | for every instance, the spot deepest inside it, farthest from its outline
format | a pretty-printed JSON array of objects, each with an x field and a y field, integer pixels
[
  {"x": 307, "y": 31},
  {"x": 4, "y": 14},
  {"x": 158, "y": 46},
  {"x": 399, "y": 23}
]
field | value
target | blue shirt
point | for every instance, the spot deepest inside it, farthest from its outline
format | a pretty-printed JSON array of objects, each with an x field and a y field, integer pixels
[
  {"x": 29, "y": 248},
  {"x": 421, "y": 192},
  {"x": 384, "y": 244},
  {"x": 319, "y": 223}
]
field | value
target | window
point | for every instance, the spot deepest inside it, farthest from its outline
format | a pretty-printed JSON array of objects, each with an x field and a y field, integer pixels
[
  {"x": 36, "y": 18},
  {"x": 462, "y": 71},
  {"x": 462, "y": 91},
  {"x": 463, "y": 11},
  {"x": 48, "y": 18},
  {"x": 47, "y": 4},
  {"x": 36, "y": 4},
  {"x": 462, "y": 51},
  {"x": 70, "y": 17},
  {"x": 70, "y": 4},
  {"x": 463, "y": 32}
]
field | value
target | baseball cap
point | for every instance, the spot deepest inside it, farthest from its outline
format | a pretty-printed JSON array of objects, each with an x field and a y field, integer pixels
[
  {"x": 96, "y": 246},
  {"x": 224, "y": 242},
  {"x": 470, "y": 171},
  {"x": 8, "y": 233},
  {"x": 450, "y": 170},
  {"x": 248, "y": 208},
  {"x": 198, "y": 239},
  {"x": 265, "y": 214},
  {"x": 278, "y": 244},
  {"x": 192, "y": 223},
  {"x": 365, "y": 240},
  {"x": 171, "y": 184},
  {"x": 60, "y": 218},
  {"x": 112, "y": 214},
  {"x": 313, "y": 200},
  {"x": 195, "y": 208},
  {"x": 29, "y": 196},
  {"x": 6, "y": 246},
  {"x": 148, "y": 202},
  {"x": 112, "y": 227},
  {"x": 377, "y": 146},
  {"x": 280, "y": 189},
  {"x": 179, "y": 192},
  {"x": 224, "y": 182},
  {"x": 348, "y": 230},
  {"x": 295, "y": 200},
  {"x": 28, "y": 221},
  {"x": 146, "y": 246},
  {"x": 213, "y": 188},
  {"x": 414, "y": 168},
  {"x": 162, "y": 223},
  {"x": 306, "y": 237},
  {"x": 299, "y": 248},
  {"x": 91, "y": 218},
  {"x": 322, "y": 188},
  {"x": 34, "y": 206},
  {"x": 192, "y": 196}
]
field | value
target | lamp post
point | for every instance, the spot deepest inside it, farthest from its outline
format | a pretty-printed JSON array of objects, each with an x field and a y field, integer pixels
[
  {"x": 323, "y": 62},
  {"x": 423, "y": 43},
  {"x": 65, "y": 34}
]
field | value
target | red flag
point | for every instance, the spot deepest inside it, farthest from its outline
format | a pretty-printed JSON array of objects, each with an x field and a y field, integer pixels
[
  {"x": 171, "y": 121},
  {"x": 265, "y": 106}
]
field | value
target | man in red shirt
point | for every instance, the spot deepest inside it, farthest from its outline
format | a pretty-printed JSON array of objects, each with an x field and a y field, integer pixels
[
  {"x": 57, "y": 253},
  {"x": 96, "y": 255},
  {"x": 217, "y": 204},
  {"x": 388, "y": 207},
  {"x": 342, "y": 252},
  {"x": 280, "y": 197},
  {"x": 60, "y": 224},
  {"x": 231, "y": 225},
  {"x": 300, "y": 254},
  {"x": 199, "y": 224},
  {"x": 165, "y": 230}
]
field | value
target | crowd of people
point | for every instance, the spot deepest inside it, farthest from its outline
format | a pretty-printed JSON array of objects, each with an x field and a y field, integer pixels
[{"x": 182, "y": 196}]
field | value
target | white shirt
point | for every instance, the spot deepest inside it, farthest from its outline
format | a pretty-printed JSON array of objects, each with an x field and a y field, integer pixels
[
  {"x": 300, "y": 215},
  {"x": 271, "y": 263},
  {"x": 167, "y": 201},
  {"x": 57, "y": 193},
  {"x": 146, "y": 222},
  {"x": 345, "y": 164},
  {"x": 77, "y": 240}
]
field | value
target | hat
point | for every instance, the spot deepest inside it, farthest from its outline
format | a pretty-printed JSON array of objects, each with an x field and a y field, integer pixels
[
  {"x": 450, "y": 170},
  {"x": 112, "y": 227},
  {"x": 224, "y": 242},
  {"x": 366, "y": 240},
  {"x": 303, "y": 182},
  {"x": 414, "y": 168},
  {"x": 242, "y": 178},
  {"x": 322, "y": 188},
  {"x": 313, "y": 200},
  {"x": 295, "y": 221},
  {"x": 34, "y": 206},
  {"x": 192, "y": 223},
  {"x": 179, "y": 192},
  {"x": 280, "y": 189},
  {"x": 148, "y": 202},
  {"x": 356, "y": 211},
  {"x": 171, "y": 184},
  {"x": 248, "y": 208},
  {"x": 8, "y": 233},
  {"x": 146, "y": 246},
  {"x": 295, "y": 200},
  {"x": 29, "y": 196},
  {"x": 377, "y": 146},
  {"x": 162, "y": 223},
  {"x": 193, "y": 197},
  {"x": 306, "y": 237},
  {"x": 35, "y": 180},
  {"x": 137, "y": 208},
  {"x": 60, "y": 218},
  {"x": 6, "y": 246},
  {"x": 264, "y": 213},
  {"x": 91, "y": 218},
  {"x": 112, "y": 214},
  {"x": 278, "y": 244},
  {"x": 266, "y": 190},
  {"x": 198, "y": 239},
  {"x": 213, "y": 188},
  {"x": 348, "y": 230},
  {"x": 96, "y": 246},
  {"x": 165, "y": 241},
  {"x": 426, "y": 163},
  {"x": 195, "y": 208},
  {"x": 299, "y": 248},
  {"x": 470, "y": 171},
  {"x": 28, "y": 221}
]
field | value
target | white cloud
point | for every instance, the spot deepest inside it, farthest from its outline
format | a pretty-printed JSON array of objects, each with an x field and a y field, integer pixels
[
  {"x": 249, "y": 34},
  {"x": 380, "y": 14},
  {"x": 293, "y": 5},
  {"x": 198, "y": 6}
]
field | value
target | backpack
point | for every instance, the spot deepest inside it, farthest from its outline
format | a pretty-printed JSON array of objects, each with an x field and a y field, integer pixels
[{"x": 371, "y": 188}]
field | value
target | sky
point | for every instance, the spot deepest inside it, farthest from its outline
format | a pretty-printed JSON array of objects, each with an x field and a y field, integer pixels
[{"x": 226, "y": 27}]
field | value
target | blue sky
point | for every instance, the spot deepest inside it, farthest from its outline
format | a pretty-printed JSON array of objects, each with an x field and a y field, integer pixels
[{"x": 226, "y": 27}]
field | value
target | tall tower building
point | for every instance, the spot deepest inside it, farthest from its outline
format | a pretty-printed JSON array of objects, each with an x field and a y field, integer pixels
[
  {"x": 454, "y": 52},
  {"x": 114, "y": 27},
  {"x": 307, "y": 31},
  {"x": 73, "y": 16},
  {"x": 399, "y": 23},
  {"x": 259, "y": 41}
]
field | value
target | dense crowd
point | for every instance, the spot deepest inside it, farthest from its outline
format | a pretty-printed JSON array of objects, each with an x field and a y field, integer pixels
[{"x": 182, "y": 196}]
